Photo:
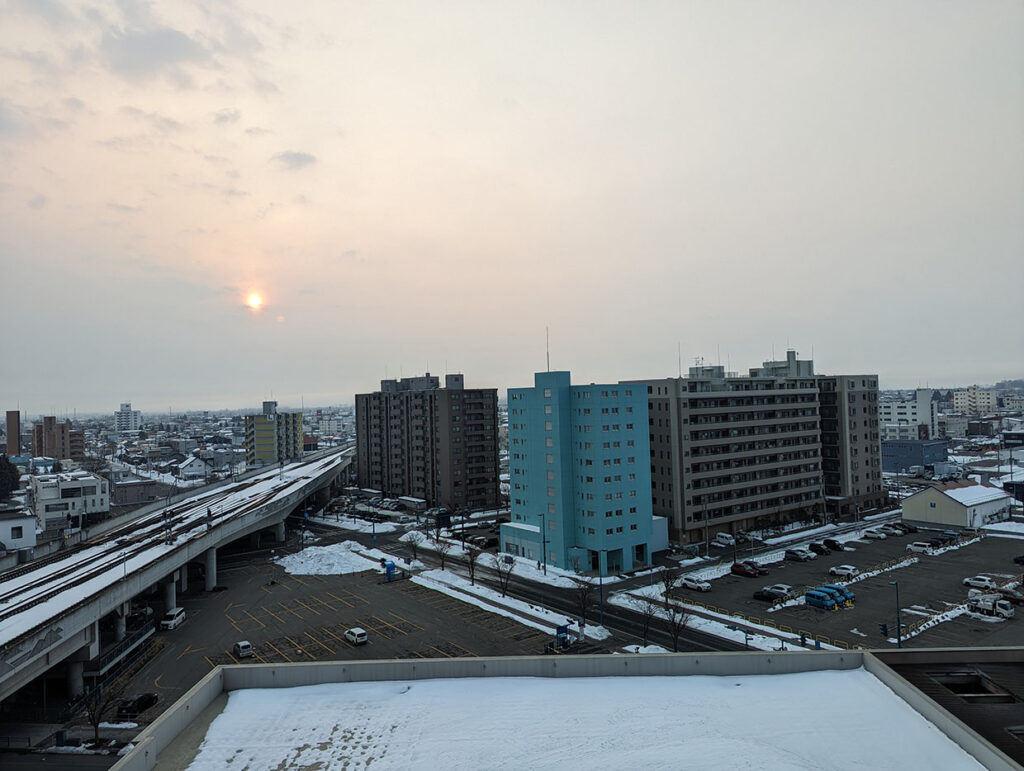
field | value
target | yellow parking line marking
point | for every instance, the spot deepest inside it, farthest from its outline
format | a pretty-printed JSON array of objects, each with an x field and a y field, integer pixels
[
  {"x": 326, "y": 648},
  {"x": 272, "y": 613},
  {"x": 324, "y": 603},
  {"x": 279, "y": 652},
  {"x": 188, "y": 649},
  {"x": 307, "y": 607},
  {"x": 446, "y": 655},
  {"x": 299, "y": 648},
  {"x": 285, "y": 607},
  {"x": 329, "y": 633},
  {"x": 407, "y": 621},
  {"x": 212, "y": 665},
  {"x": 397, "y": 629},
  {"x": 346, "y": 602},
  {"x": 250, "y": 615},
  {"x": 164, "y": 687}
]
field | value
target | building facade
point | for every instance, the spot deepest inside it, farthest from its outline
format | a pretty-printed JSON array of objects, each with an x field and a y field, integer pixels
[
  {"x": 127, "y": 419},
  {"x": 975, "y": 401},
  {"x": 850, "y": 445},
  {"x": 66, "y": 500},
  {"x": 579, "y": 475},
  {"x": 900, "y": 456},
  {"x": 414, "y": 438},
  {"x": 734, "y": 452},
  {"x": 911, "y": 416},
  {"x": 272, "y": 436},
  {"x": 13, "y": 433},
  {"x": 53, "y": 439},
  {"x": 962, "y": 504}
]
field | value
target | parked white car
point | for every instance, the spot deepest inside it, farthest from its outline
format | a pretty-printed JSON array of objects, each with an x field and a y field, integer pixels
[
  {"x": 919, "y": 546},
  {"x": 876, "y": 535},
  {"x": 725, "y": 538},
  {"x": 980, "y": 582},
  {"x": 890, "y": 530},
  {"x": 844, "y": 571},
  {"x": 696, "y": 584}
]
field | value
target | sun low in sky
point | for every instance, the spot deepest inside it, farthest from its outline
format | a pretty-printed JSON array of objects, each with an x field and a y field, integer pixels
[{"x": 254, "y": 301}]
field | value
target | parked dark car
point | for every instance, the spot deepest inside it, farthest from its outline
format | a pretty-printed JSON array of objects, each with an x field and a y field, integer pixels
[
  {"x": 762, "y": 570},
  {"x": 766, "y": 596},
  {"x": 819, "y": 548},
  {"x": 136, "y": 705},
  {"x": 1016, "y": 596},
  {"x": 907, "y": 527},
  {"x": 834, "y": 545},
  {"x": 743, "y": 569},
  {"x": 797, "y": 555},
  {"x": 936, "y": 542}
]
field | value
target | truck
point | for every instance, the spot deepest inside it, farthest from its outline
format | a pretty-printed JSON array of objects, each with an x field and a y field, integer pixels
[{"x": 990, "y": 605}]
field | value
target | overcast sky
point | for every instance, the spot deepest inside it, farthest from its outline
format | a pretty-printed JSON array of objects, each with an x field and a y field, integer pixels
[{"x": 428, "y": 185}]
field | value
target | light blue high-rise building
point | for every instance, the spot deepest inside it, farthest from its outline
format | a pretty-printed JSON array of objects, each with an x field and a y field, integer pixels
[{"x": 579, "y": 475}]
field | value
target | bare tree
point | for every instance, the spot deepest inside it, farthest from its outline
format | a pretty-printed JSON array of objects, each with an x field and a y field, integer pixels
[
  {"x": 583, "y": 589},
  {"x": 676, "y": 618},
  {"x": 414, "y": 539},
  {"x": 98, "y": 702},
  {"x": 647, "y": 609},
  {"x": 669, "y": 578},
  {"x": 442, "y": 548},
  {"x": 503, "y": 567},
  {"x": 472, "y": 559}
]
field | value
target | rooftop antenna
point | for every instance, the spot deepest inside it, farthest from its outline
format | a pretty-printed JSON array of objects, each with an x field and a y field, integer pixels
[
  {"x": 679, "y": 357},
  {"x": 718, "y": 348},
  {"x": 547, "y": 347},
  {"x": 773, "y": 351}
]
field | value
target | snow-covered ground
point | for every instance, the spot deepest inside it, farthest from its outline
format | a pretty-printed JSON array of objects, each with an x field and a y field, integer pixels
[
  {"x": 339, "y": 558},
  {"x": 354, "y": 524},
  {"x": 527, "y": 613},
  {"x": 697, "y": 722}
]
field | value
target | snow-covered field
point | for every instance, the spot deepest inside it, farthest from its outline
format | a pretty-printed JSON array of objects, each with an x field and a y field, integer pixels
[
  {"x": 338, "y": 558},
  {"x": 833, "y": 719}
]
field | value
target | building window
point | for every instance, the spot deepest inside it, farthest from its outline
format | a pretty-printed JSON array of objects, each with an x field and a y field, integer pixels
[
  {"x": 551, "y": 508},
  {"x": 16, "y": 532},
  {"x": 547, "y": 409},
  {"x": 547, "y": 425},
  {"x": 547, "y": 393},
  {"x": 551, "y": 492},
  {"x": 549, "y": 442},
  {"x": 551, "y": 475},
  {"x": 549, "y": 458}
]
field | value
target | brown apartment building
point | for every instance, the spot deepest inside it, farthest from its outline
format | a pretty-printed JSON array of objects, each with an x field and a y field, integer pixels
[
  {"x": 13, "y": 433},
  {"x": 417, "y": 439},
  {"x": 733, "y": 452},
  {"x": 57, "y": 440}
]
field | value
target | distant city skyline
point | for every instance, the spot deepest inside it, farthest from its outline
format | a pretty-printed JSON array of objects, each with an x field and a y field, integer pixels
[{"x": 207, "y": 204}]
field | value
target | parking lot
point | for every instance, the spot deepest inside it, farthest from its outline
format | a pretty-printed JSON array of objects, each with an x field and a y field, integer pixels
[
  {"x": 303, "y": 618},
  {"x": 931, "y": 585}
]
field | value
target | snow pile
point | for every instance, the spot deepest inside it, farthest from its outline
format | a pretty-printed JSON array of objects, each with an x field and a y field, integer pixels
[
  {"x": 644, "y": 649},
  {"x": 126, "y": 724},
  {"x": 335, "y": 559},
  {"x": 534, "y": 616},
  {"x": 953, "y": 547},
  {"x": 696, "y": 722}
]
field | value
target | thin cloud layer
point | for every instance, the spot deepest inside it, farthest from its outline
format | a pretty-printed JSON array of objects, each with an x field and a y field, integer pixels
[{"x": 291, "y": 159}]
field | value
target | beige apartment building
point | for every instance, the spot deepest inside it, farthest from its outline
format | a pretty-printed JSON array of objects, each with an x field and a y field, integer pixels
[
  {"x": 414, "y": 438},
  {"x": 272, "y": 436},
  {"x": 733, "y": 452},
  {"x": 975, "y": 401}
]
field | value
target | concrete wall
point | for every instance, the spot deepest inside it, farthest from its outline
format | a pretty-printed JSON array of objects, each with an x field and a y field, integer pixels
[
  {"x": 946, "y": 511},
  {"x": 981, "y": 749},
  {"x": 162, "y": 732}
]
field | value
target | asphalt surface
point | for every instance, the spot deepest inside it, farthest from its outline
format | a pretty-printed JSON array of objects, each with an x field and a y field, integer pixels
[{"x": 931, "y": 585}]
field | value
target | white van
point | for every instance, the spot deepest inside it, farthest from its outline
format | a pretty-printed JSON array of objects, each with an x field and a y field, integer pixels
[
  {"x": 919, "y": 546},
  {"x": 725, "y": 539},
  {"x": 356, "y": 635},
  {"x": 172, "y": 618},
  {"x": 242, "y": 649}
]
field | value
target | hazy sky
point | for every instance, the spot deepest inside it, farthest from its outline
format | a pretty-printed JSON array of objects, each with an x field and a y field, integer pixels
[{"x": 427, "y": 185}]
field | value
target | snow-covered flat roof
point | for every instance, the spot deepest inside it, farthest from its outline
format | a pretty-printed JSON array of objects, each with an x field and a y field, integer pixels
[
  {"x": 971, "y": 496},
  {"x": 522, "y": 526},
  {"x": 827, "y": 719}
]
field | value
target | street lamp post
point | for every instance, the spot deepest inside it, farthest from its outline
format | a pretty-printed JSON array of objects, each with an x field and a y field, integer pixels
[
  {"x": 899, "y": 625},
  {"x": 543, "y": 545}
]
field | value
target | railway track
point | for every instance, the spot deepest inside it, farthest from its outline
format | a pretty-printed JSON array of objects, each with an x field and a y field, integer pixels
[{"x": 97, "y": 564}]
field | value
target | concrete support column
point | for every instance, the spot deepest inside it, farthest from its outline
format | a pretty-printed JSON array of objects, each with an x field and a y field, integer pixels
[
  {"x": 211, "y": 569},
  {"x": 184, "y": 578},
  {"x": 170, "y": 594},
  {"x": 254, "y": 539},
  {"x": 279, "y": 535},
  {"x": 76, "y": 681},
  {"x": 120, "y": 626}
]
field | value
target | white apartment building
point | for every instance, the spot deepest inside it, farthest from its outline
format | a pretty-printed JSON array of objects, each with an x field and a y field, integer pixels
[
  {"x": 127, "y": 419},
  {"x": 908, "y": 417},
  {"x": 17, "y": 528},
  {"x": 63, "y": 500},
  {"x": 975, "y": 401}
]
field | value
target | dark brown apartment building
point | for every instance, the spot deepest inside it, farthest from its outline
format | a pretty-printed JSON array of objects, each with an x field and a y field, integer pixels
[
  {"x": 415, "y": 438},
  {"x": 53, "y": 439}
]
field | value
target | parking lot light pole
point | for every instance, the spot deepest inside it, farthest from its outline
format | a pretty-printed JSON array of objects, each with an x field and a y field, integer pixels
[
  {"x": 543, "y": 545},
  {"x": 899, "y": 626}
]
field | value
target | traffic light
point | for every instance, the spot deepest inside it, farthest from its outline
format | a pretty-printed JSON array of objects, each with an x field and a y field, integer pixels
[{"x": 884, "y": 629}]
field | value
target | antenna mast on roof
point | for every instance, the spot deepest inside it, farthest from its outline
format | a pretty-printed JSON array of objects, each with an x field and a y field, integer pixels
[{"x": 679, "y": 357}]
